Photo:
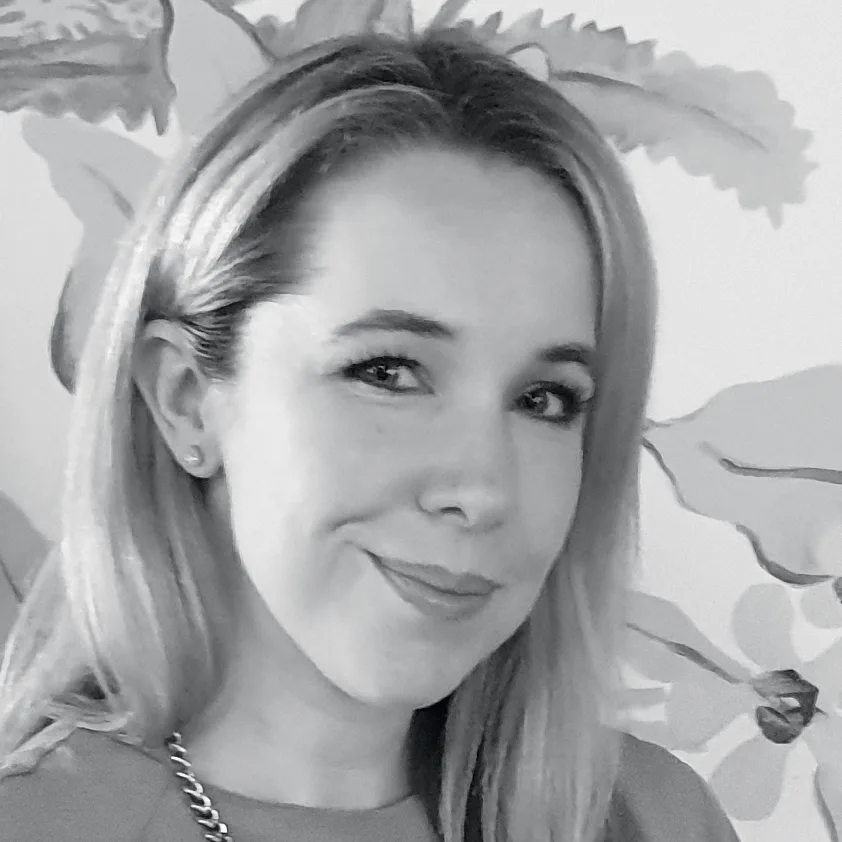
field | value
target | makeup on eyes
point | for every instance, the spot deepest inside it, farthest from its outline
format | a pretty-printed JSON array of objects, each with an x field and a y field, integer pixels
[
  {"x": 394, "y": 353},
  {"x": 574, "y": 393}
]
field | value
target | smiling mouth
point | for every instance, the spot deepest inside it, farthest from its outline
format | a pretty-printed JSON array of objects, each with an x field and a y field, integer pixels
[
  {"x": 457, "y": 584},
  {"x": 435, "y": 591}
]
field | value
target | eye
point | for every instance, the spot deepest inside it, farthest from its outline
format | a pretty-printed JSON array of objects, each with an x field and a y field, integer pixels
[
  {"x": 392, "y": 374},
  {"x": 555, "y": 403}
]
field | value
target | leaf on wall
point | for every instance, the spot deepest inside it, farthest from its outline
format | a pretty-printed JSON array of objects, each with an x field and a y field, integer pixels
[
  {"x": 793, "y": 421},
  {"x": 714, "y": 121},
  {"x": 214, "y": 52},
  {"x": 666, "y": 624},
  {"x": 9, "y": 605},
  {"x": 396, "y": 17},
  {"x": 91, "y": 58},
  {"x": 101, "y": 176},
  {"x": 766, "y": 457},
  {"x": 319, "y": 20},
  {"x": 448, "y": 14},
  {"x": 22, "y": 548}
]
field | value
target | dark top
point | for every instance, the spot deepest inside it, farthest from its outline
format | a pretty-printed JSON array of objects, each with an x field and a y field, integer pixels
[{"x": 93, "y": 788}]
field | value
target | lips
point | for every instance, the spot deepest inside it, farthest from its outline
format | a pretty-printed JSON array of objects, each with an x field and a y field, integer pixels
[
  {"x": 461, "y": 584},
  {"x": 435, "y": 592}
]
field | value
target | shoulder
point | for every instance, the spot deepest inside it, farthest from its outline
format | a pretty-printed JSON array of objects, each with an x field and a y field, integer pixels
[
  {"x": 658, "y": 793},
  {"x": 90, "y": 787}
]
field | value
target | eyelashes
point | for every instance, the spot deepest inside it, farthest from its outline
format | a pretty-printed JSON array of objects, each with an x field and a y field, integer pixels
[
  {"x": 572, "y": 399},
  {"x": 364, "y": 371},
  {"x": 555, "y": 403}
]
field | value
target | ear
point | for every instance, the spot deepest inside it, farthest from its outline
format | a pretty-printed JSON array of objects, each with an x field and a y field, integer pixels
[{"x": 179, "y": 396}]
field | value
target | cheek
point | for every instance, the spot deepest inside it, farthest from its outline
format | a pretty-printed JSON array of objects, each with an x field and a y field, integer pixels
[
  {"x": 271, "y": 477},
  {"x": 550, "y": 482},
  {"x": 368, "y": 453},
  {"x": 298, "y": 468}
]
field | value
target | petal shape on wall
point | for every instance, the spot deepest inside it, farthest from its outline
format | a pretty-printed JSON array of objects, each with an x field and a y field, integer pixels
[
  {"x": 643, "y": 697},
  {"x": 828, "y": 787},
  {"x": 653, "y": 732},
  {"x": 762, "y": 625},
  {"x": 766, "y": 457},
  {"x": 214, "y": 52},
  {"x": 92, "y": 58},
  {"x": 821, "y": 605},
  {"x": 825, "y": 740},
  {"x": 825, "y": 671},
  {"x": 701, "y": 705},
  {"x": 714, "y": 121},
  {"x": 749, "y": 780},
  {"x": 101, "y": 176}
]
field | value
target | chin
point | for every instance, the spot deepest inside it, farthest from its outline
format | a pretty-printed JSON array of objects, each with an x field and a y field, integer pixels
[{"x": 401, "y": 692}]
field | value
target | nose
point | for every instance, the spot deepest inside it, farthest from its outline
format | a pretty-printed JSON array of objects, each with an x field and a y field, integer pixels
[{"x": 472, "y": 479}]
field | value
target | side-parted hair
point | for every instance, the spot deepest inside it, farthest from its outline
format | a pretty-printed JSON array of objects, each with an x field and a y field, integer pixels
[{"x": 127, "y": 625}]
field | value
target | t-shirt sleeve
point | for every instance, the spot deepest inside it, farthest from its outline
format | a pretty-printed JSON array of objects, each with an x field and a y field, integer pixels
[
  {"x": 89, "y": 789},
  {"x": 661, "y": 796}
]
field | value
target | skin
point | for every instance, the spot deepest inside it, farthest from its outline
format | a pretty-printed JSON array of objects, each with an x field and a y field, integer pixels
[{"x": 469, "y": 458}]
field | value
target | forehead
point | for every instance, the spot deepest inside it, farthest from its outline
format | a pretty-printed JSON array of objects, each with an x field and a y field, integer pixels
[{"x": 483, "y": 245}]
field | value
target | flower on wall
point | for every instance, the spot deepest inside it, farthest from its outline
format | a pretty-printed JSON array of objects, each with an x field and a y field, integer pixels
[
  {"x": 702, "y": 691},
  {"x": 767, "y": 458}
]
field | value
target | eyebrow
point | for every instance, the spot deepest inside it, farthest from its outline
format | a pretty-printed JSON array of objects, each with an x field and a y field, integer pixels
[{"x": 403, "y": 321}]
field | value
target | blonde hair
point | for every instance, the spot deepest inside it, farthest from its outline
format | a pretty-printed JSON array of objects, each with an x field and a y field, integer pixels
[{"x": 126, "y": 626}]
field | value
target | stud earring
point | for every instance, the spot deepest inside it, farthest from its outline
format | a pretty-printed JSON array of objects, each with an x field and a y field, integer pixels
[{"x": 194, "y": 458}]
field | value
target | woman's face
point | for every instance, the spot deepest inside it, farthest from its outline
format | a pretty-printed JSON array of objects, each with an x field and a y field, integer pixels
[{"x": 419, "y": 402}]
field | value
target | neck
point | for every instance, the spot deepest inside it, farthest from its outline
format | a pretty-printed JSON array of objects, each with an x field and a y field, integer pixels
[{"x": 280, "y": 732}]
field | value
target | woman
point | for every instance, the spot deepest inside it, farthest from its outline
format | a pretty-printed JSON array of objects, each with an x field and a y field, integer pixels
[{"x": 352, "y": 498}]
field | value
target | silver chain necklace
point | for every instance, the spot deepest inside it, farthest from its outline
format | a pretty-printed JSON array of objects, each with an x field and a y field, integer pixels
[{"x": 215, "y": 830}]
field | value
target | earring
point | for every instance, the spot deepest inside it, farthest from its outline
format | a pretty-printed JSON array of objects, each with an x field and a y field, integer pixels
[{"x": 194, "y": 458}]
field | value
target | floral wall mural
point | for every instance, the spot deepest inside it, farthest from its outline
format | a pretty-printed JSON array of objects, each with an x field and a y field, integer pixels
[{"x": 103, "y": 90}]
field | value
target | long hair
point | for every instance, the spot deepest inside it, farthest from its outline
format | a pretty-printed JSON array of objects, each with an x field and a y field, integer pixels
[{"x": 126, "y": 625}]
